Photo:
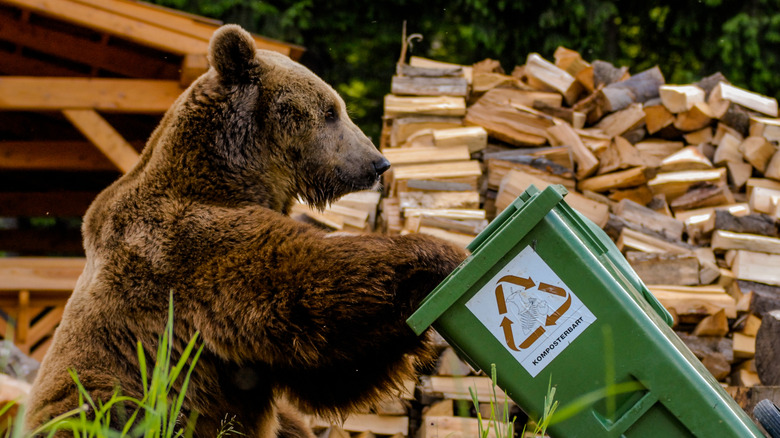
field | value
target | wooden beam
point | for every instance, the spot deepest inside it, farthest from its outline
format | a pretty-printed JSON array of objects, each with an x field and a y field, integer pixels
[
  {"x": 117, "y": 25},
  {"x": 183, "y": 23},
  {"x": 85, "y": 51},
  {"x": 38, "y": 204},
  {"x": 29, "y": 242},
  {"x": 40, "y": 273},
  {"x": 21, "y": 65},
  {"x": 110, "y": 95},
  {"x": 105, "y": 137},
  {"x": 52, "y": 155}
]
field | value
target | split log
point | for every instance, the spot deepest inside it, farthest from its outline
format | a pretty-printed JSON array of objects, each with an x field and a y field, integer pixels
[
  {"x": 724, "y": 94},
  {"x": 757, "y": 151},
  {"x": 403, "y": 128},
  {"x": 449, "y": 364},
  {"x": 473, "y": 137},
  {"x": 675, "y": 184},
  {"x": 765, "y": 127},
  {"x": 703, "y": 135},
  {"x": 421, "y": 155},
  {"x": 688, "y": 158},
  {"x": 702, "y": 346},
  {"x": 640, "y": 194},
  {"x": 657, "y": 117},
  {"x": 621, "y": 121},
  {"x": 698, "y": 117},
  {"x": 429, "y": 86},
  {"x": 505, "y": 122},
  {"x": 763, "y": 297},
  {"x": 767, "y": 353},
  {"x": 764, "y": 200},
  {"x": 653, "y": 151},
  {"x": 708, "y": 267},
  {"x": 760, "y": 182},
  {"x": 727, "y": 150},
  {"x": 725, "y": 240},
  {"x": 417, "y": 61},
  {"x": 695, "y": 300},
  {"x": 703, "y": 195},
  {"x": 639, "y": 88},
  {"x": 750, "y": 325},
  {"x": 541, "y": 71},
  {"x": 713, "y": 325},
  {"x": 569, "y": 60},
  {"x": 449, "y": 70},
  {"x": 680, "y": 98},
  {"x": 564, "y": 134},
  {"x": 637, "y": 241},
  {"x": 744, "y": 346},
  {"x": 605, "y": 73},
  {"x": 664, "y": 268},
  {"x": 756, "y": 223},
  {"x": 432, "y": 106},
  {"x": 575, "y": 118},
  {"x": 638, "y": 214},
  {"x": 459, "y": 200},
  {"x": 539, "y": 167},
  {"x": 616, "y": 180},
  {"x": 773, "y": 167},
  {"x": 516, "y": 182},
  {"x": 620, "y": 154},
  {"x": 757, "y": 266},
  {"x": 485, "y": 81}
]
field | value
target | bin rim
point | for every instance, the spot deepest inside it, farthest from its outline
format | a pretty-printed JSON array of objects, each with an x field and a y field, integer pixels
[{"x": 537, "y": 204}]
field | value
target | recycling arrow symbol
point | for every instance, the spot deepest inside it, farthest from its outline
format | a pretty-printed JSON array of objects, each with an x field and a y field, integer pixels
[{"x": 550, "y": 319}]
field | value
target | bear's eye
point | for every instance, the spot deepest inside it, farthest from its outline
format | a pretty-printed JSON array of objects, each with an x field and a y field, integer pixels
[{"x": 331, "y": 114}]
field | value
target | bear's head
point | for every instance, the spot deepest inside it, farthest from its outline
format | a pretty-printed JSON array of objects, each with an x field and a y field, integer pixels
[{"x": 277, "y": 128}]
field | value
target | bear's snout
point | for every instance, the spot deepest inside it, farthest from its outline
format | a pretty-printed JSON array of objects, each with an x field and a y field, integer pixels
[{"x": 381, "y": 165}]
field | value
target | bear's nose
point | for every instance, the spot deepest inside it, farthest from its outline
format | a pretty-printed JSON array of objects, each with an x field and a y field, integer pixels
[{"x": 381, "y": 165}]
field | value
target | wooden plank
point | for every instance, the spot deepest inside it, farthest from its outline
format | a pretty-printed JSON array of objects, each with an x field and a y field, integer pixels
[
  {"x": 110, "y": 95},
  {"x": 129, "y": 28},
  {"x": 105, "y": 137},
  {"x": 40, "y": 273},
  {"x": 52, "y": 155}
]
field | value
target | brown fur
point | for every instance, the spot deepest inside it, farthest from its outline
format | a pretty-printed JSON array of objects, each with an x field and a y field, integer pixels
[{"x": 283, "y": 312}]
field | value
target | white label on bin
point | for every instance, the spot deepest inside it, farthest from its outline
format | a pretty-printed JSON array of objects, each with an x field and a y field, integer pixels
[{"x": 531, "y": 311}]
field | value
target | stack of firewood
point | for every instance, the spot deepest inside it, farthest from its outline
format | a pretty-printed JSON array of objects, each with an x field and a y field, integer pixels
[{"x": 684, "y": 178}]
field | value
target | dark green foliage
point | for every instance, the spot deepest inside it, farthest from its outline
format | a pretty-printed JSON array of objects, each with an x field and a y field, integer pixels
[{"x": 354, "y": 45}]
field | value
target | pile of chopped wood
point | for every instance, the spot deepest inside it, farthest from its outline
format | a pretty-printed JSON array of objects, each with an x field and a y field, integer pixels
[{"x": 684, "y": 178}]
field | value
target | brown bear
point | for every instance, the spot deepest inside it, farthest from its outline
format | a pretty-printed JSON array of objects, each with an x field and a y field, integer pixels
[{"x": 285, "y": 313}]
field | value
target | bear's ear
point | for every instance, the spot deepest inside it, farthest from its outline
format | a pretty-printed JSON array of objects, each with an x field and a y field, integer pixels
[{"x": 232, "y": 52}]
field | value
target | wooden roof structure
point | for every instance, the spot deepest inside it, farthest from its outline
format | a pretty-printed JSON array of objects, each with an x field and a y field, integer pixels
[{"x": 82, "y": 85}]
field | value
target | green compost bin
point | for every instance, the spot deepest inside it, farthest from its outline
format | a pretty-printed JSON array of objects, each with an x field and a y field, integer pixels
[{"x": 547, "y": 297}]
